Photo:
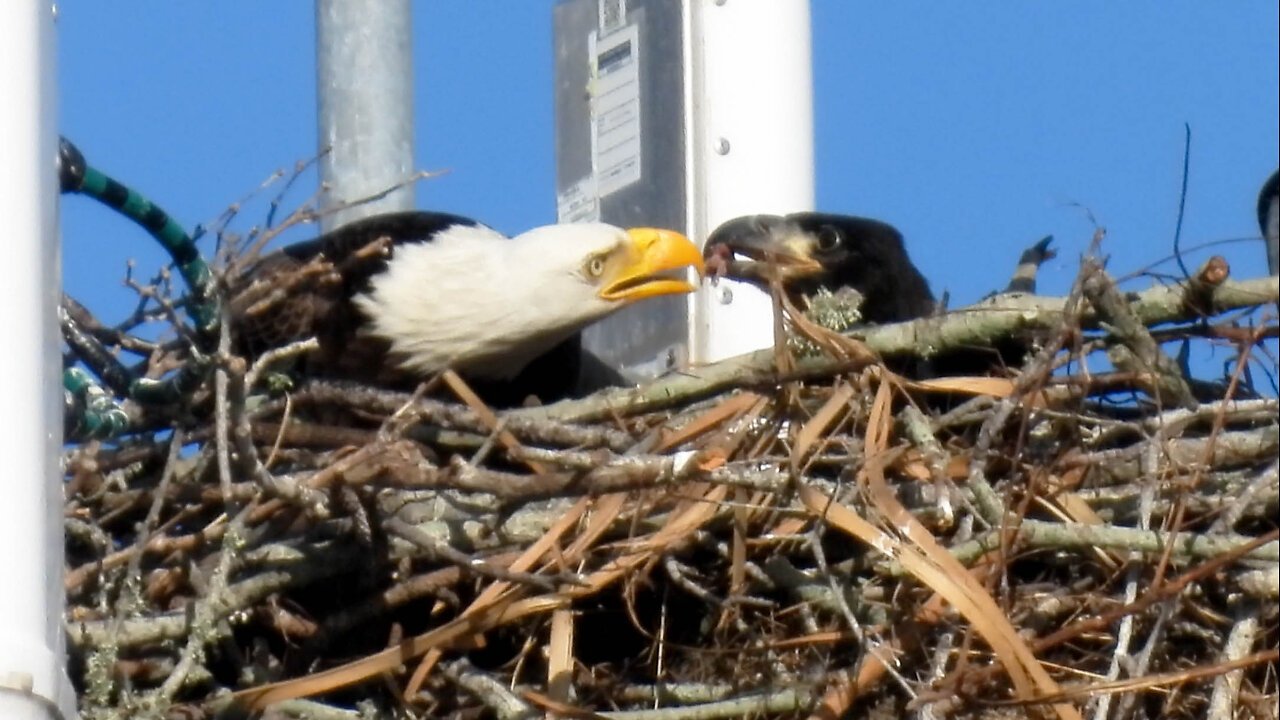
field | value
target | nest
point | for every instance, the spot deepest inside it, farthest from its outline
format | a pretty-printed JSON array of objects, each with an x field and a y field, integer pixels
[{"x": 771, "y": 536}]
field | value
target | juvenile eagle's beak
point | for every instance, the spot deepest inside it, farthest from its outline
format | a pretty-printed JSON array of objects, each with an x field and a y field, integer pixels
[
  {"x": 773, "y": 247},
  {"x": 652, "y": 262}
]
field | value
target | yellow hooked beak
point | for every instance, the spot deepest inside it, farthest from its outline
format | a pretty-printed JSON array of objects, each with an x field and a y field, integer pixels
[{"x": 652, "y": 262}]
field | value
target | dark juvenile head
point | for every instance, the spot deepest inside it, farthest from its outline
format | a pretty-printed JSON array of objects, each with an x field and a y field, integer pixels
[
  {"x": 806, "y": 252},
  {"x": 1269, "y": 220}
]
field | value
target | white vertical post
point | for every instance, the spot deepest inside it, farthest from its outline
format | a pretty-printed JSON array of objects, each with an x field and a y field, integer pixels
[
  {"x": 364, "y": 83},
  {"x": 750, "y": 104},
  {"x": 33, "y": 681}
]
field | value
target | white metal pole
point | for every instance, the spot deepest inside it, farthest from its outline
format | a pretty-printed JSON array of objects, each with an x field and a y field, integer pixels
[
  {"x": 751, "y": 113},
  {"x": 33, "y": 682},
  {"x": 364, "y": 79}
]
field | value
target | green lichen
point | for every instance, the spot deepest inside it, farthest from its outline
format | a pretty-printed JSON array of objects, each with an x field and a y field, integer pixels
[{"x": 837, "y": 311}]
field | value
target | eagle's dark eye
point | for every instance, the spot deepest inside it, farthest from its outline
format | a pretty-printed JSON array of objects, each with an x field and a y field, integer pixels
[{"x": 828, "y": 238}]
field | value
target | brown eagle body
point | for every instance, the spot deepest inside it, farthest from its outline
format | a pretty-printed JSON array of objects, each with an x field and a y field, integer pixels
[{"x": 304, "y": 290}]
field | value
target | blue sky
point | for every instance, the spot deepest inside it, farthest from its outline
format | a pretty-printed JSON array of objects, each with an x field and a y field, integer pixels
[{"x": 975, "y": 128}]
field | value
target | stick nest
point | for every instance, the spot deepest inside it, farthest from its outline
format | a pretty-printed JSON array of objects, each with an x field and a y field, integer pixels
[{"x": 765, "y": 537}]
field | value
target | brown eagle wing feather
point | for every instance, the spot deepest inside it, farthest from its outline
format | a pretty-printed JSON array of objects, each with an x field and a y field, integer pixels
[{"x": 303, "y": 289}]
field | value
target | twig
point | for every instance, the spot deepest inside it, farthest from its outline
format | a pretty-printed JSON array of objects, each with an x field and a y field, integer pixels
[
  {"x": 479, "y": 567},
  {"x": 1041, "y": 534},
  {"x": 275, "y": 355}
]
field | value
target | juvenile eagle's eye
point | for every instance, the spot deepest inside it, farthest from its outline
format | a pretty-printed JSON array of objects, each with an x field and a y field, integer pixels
[
  {"x": 828, "y": 238},
  {"x": 595, "y": 266}
]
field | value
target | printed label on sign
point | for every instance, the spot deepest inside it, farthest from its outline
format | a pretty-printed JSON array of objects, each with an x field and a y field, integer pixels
[
  {"x": 615, "y": 109},
  {"x": 578, "y": 202}
]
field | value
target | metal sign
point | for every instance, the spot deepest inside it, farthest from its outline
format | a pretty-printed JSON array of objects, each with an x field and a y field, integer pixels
[{"x": 682, "y": 115}]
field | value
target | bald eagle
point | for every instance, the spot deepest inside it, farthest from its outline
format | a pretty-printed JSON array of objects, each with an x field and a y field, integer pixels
[{"x": 396, "y": 298}]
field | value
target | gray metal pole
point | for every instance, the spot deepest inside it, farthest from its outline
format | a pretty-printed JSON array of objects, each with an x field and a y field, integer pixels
[{"x": 364, "y": 79}]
